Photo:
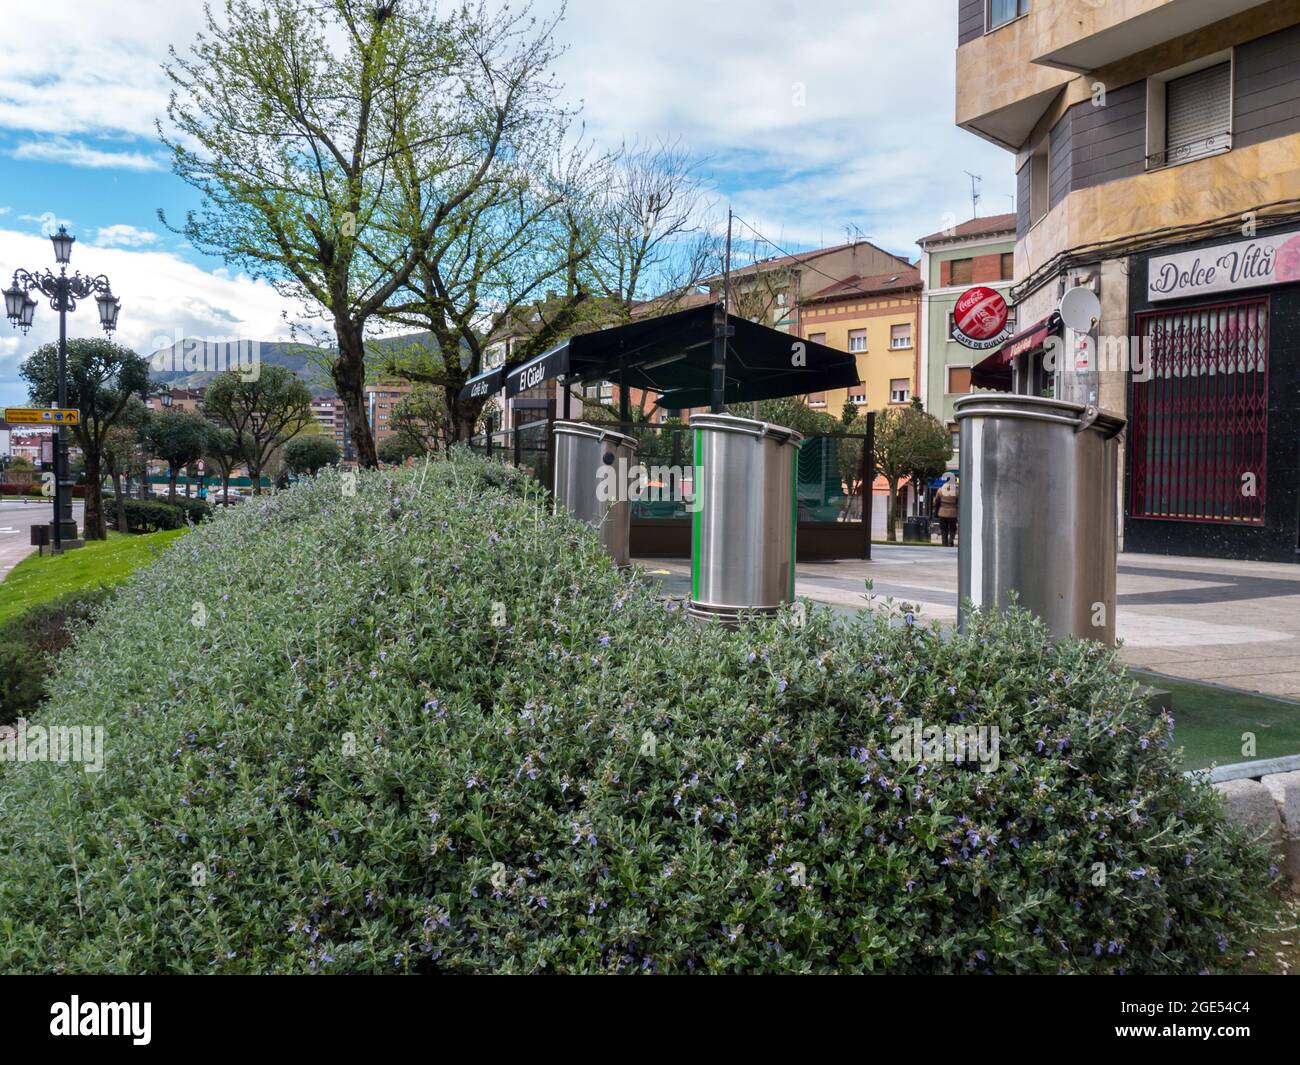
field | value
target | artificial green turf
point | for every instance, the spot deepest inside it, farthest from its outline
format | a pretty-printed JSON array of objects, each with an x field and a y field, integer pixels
[
  {"x": 1209, "y": 721},
  {"x": 101, "y": 562}
]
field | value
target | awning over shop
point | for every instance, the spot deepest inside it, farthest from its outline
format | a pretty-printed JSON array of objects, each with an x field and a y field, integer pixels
[
  {"x": 673, "y": 356},
  {"x": 485, "y": 384},
  {"x": 538, "y": 370},
  {"x": 995, "y": 371}
]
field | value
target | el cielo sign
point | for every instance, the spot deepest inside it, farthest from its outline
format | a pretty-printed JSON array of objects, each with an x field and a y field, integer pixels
[
  {"x": 979, "y": 319},
  {"x": 1245, "y": 264}
]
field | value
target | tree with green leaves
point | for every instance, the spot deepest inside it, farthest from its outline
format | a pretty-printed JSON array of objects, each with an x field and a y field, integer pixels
[
  {"x": 909, "y": 443},
  {"x": 102, "y": 379},
  {"x": 507, "y": 264},
  {"x": 122, "y": 452},
  {"x": 265, "y": 413},
  {"x": 289, "y": 117},
  {"x": 225, "y": 450},
  {"x": 178, "y": 437},
  {"x": 310, "y": 453}
]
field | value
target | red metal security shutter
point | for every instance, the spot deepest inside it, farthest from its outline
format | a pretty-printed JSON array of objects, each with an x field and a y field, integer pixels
[{"x": 1200, "y": 416}]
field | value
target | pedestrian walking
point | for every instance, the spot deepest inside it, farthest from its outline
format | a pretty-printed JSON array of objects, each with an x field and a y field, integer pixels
[{"x": 946, "y": 499}]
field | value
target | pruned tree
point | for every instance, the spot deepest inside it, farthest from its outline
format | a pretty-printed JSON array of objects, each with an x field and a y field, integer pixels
[
  {"x": 102, "y": 379},
  {"x": 226, "y": 450},
  {"x": 178, "y": 438},
  {"x": 122, "y": 452},
  {"x": 310, "y": 453},
  {"x": 908, "y": 443},
  {"x": 264, "y": 413}
]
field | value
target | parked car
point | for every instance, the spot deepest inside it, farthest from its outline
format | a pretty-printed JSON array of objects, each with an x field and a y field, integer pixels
[{"x": 226, "y": 498}]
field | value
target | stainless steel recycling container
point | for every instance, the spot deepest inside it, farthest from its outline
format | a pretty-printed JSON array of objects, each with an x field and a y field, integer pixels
[
  {"x": 1037, "y": 512},
  {"x": 600, "y": 499},
  {"x": 743, "y": 525}
]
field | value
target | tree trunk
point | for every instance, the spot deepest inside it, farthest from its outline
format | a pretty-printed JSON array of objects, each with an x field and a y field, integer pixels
[
  {"x": 891, "y": 512},
  {"x": 462, "y": 416},
  {"x": 94, "y": 517},
  {"x": 172, "y": 472},
  {"x": 120, "y": 502},
  {"x": 349, "y": 372}
]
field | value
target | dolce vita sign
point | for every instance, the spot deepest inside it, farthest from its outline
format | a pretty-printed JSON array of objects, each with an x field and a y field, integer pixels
[{"x": 1246, "y": 264}]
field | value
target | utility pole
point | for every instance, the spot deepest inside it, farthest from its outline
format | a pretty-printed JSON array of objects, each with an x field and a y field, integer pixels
[{"x": 722, "y": 329}]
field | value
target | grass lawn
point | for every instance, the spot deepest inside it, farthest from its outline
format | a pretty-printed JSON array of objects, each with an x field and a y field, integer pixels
[
  {"x": 1209, "y": 721},
  {"x": 107, "y": 562}
]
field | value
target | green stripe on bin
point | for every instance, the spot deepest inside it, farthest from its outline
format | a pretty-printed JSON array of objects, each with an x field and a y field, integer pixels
[
  {"x": 697, "y": 517},
  {"x": 794, "y": 514}
]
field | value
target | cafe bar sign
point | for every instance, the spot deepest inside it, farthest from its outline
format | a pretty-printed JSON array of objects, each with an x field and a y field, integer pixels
[{"x": 1245, "y": 264}]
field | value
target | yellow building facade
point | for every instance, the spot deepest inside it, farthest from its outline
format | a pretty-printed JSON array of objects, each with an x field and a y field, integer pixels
[{"x": 876, "y": 319}]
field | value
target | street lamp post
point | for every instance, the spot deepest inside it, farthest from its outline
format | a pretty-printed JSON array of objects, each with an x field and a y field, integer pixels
[{"x": 63, "y": 292}]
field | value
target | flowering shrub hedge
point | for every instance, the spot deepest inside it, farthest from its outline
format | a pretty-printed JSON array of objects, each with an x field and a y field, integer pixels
[
  {"x": 30, "y": 640},
  {"x": 427, "y": 726}
]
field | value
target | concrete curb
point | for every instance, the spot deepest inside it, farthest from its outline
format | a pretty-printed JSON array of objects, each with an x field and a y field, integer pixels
[{"x": 1269, "y": 809}]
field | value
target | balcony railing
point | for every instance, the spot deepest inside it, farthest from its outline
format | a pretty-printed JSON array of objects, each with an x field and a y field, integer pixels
[{"x": 1214, "y": 144}]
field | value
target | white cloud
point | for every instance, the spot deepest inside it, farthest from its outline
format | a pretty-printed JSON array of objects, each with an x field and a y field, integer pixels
[
  {"x": 163, "y": 297},
  {"x": 78, "y": 153},
  {"x": 124, "y": 236}
]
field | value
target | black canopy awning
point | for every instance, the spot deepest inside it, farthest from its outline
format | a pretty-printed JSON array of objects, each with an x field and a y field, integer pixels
[
  {"x": 487, "y": 383},
  {"x": 673, "y": 355},
  {"x": 538, "y": 370}
]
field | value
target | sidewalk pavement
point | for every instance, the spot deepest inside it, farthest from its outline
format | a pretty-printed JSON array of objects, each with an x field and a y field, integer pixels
[
  {"x": 1233, "y": 623},
  {"x": 16, "y": 519}
]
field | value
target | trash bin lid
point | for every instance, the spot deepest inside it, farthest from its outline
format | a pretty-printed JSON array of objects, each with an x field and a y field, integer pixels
[
  {"x": 729, "y": 423},
  {"x": 596, "y": 432},
  {"x": 1037, "y": 408}
]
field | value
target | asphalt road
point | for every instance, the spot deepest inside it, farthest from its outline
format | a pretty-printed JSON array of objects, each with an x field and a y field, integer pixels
[{"x": 16, "y": 519}]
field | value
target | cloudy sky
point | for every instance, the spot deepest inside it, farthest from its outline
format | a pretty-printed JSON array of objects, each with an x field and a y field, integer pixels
[{"x": 814, "y": 117}]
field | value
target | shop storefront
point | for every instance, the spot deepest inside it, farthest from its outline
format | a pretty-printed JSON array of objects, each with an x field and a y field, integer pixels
[{"x": 1213, "y": 443}]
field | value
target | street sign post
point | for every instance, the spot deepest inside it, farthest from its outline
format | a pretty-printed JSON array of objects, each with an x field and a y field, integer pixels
[{"x": 42, "y": 415}]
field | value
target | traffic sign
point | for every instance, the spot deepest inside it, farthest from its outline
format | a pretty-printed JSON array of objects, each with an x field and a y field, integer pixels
[{"x": 42, "y": 415}]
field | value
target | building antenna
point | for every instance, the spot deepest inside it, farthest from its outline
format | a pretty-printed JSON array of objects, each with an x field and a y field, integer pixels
[{"x": 975, "y": 180}]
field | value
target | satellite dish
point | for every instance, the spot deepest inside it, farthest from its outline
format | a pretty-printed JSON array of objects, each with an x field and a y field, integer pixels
[
  {"x": 466, "y": 354},
  {"x": 1080, "y": 309}
]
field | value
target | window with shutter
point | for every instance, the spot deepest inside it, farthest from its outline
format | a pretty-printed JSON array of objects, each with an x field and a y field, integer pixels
[{"x": 1198, "y": 114}]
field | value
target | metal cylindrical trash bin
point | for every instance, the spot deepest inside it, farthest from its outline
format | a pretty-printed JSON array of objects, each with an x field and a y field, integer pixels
[
  {"x": 1037, "y": 512},
  {"x": 744, "y": 517},
  {"x": 591, "y": 480}
]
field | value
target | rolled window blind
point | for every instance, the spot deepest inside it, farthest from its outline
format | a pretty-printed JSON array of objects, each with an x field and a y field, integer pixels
[{"x": 1198, "y": 113}]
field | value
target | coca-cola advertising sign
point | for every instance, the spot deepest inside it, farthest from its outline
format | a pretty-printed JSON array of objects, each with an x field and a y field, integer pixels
[
  {"x": 979, "y": 319},
  {"x": 1245, "y": 264}
]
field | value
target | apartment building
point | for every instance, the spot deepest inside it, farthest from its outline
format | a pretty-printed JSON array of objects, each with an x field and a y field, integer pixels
[
  {"x": 980, "y": 251},
  {"x": 1156, "y": 145},
  {"x": 876, "y": 319},
  {"x": 773, "y": 291},
  {"x": 330, "y": 416},
  {"x": 189, "y": 399},
  {"x": 382, "y": 400}
]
